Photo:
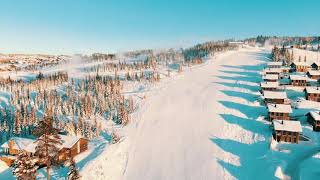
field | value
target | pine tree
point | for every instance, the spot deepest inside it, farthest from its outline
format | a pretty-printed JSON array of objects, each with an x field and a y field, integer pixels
[
  {"x": 47, "y": 143},
  {"x": 25, "y": 167},
  {"x": 73, "y": 173}
]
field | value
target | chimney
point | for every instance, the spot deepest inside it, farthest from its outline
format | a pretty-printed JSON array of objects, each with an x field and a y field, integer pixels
[{"x": 11, "y": 144}]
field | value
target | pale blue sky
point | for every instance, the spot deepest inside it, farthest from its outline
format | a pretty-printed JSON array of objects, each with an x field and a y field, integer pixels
[{"x": 86, "y": 26}]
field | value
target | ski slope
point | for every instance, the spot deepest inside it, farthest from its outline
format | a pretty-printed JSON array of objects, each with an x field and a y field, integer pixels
[{"x": 203, "y": 124}]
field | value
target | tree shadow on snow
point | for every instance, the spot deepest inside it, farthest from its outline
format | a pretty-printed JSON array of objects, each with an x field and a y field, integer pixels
[
  {"x": 242, "y": 73},
  {"x": 251, "y": 125},
  {"x": 252, "y": 112},
  {"x": 253, "y": 158},
  {"x": 247, "y": 96},
  {"x": 242, "y": 78},
  {"x": 238, "y": 85}
]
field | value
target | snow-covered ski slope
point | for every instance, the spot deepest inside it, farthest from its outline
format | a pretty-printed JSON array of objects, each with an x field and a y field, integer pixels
[{"x": 203, "y": 124}]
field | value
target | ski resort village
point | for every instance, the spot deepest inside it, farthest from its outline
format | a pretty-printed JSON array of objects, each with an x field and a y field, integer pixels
[
  {"x": 159, "y": 90},
  {"x": 226, "y": 107}
]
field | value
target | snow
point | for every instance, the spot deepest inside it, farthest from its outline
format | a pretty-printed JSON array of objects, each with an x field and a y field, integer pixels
[
  {"x": 279, "y": 108},
  {"x": 274, "y": 95},
  {"x": 298, "y": 77},
  {"x": 315, "y": 115},
  {"x": 311, "y": 56},
  {"x": 314, "y": 73},
  {"x": 287, "y": 125},
  {"x": 206, "y": 123},
  {"x": 312, "y": 90},
  {"x": 269, "y": 84},
  {"x": 270, "y": 77},
  {"x": 272, "y": 64},
  {"x": 19, "y": 143}
]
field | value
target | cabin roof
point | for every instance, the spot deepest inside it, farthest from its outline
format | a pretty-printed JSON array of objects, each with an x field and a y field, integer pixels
[
  {"x": 315, "y": 115},
  {"x": 269, "y": 84},
  {"x": 298, "y": 77},
  {"x": 272, "y": 70},
  {"x": 30, "y": 145},
  {"x": 316, "y": 63},
  {"x": 313, "y": 90},
  {"x": 271, "y": 77},
  {"x": 287, "y": 125},
  {"x": 280, "y": 108},
  {"x": 314, "y": 73},
  {"x": 274, "y": 63},
  {"x": 19, "y": 143},
  {"x": 274, "y": 95}
]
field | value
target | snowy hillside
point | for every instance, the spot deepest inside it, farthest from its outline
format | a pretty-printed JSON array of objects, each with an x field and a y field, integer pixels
[{"x": 205, "y": 124}]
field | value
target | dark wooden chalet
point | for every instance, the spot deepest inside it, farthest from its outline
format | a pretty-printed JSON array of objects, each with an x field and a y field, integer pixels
[
  {"x": 279, "y": 111},
  {"x": 286, "y": 131},
  {"x": 312, "y": 93},
  {"x": 275, "y": 97},
  {"x": 313, "y": 117},
  {"x": 315, "y": 66},
  {"x": 313, "y": 74},
  {"x": 269, "y": 86},
  {"x": 300, "y": 67},
  {"x": 298, "y": 80}
]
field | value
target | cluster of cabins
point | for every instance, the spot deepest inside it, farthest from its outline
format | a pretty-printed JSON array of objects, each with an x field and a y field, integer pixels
[
  {"x": 70, "y": 147},
  {"x": 299, "y": 74}
]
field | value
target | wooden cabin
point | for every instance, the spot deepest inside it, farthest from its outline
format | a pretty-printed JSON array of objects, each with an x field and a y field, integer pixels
[
  {"x": 271, "y": 77},
  {"x": 286, "y": 131},
  {"x": 71, "y": 146},
  {"x": 298, "y": 80},
  {"x": 13, "y": 147},
  {"x": 300, "y": 67},
  {"x": 313, "y": 74},
  {"x": 313, "y": 117},
  {"x": 279, "y": 111},
  {"x": 274, "y": 97},
  {"x": 315, "y": 66},
  {"x": 274, "y": 64},
  {"x": 269, "y": 86},
  {"x": 312, "y": 93}
]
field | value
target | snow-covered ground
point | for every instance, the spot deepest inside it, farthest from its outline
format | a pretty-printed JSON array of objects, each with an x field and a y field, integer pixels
[{"x": 203, "y": 124}]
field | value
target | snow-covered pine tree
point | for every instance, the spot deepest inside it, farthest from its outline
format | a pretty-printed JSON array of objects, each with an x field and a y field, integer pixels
[
  {"x": 25, "y": 167},
  {"x": 73, "y": 173},
  {"x": 47, "y": 143}
]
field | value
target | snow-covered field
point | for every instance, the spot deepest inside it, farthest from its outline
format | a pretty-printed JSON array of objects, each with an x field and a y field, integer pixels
[{"x": 203, "y": 124}]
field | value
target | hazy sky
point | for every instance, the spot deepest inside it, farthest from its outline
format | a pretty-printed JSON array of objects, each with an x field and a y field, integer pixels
[{"x": 85, "y": 26}]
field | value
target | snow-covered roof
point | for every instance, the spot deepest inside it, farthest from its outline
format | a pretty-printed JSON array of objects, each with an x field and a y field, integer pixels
[
  {"x": 274, "y": 63},
  {"x": 287, "y": 125},
  {"x": 313, "y": 90},
  {"x": 314, "y": 73},
  {"x": 269, "y": 84},
  {"x": 69, "y": 141},
  {"x": 274, "y": 95},
  {"x": 315, "y": 115},
  {"x": 19, "y": 143},
  {"x": 272, "y": 70},
  {"x": 298, "y": 77},
  {"x": 30, "y": 145},
  {"x": 279, "y": 108},
  {"x": 271, "y": 77}
]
